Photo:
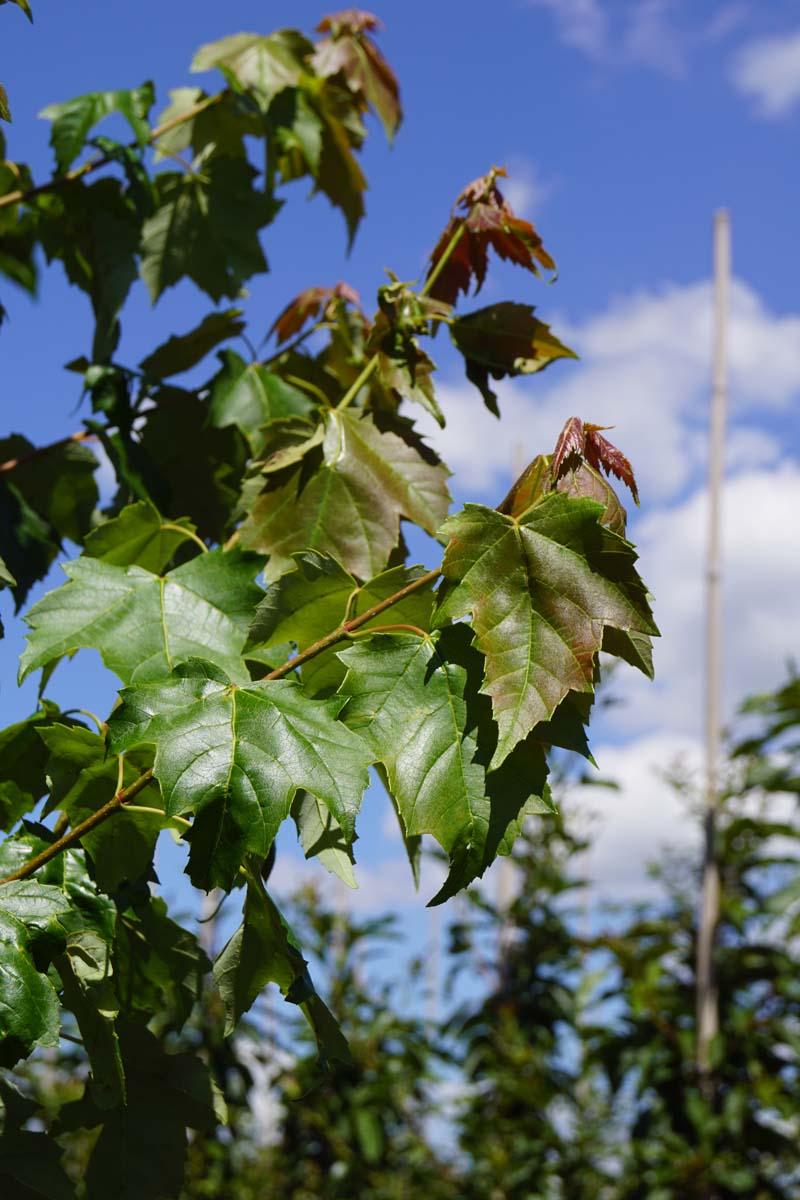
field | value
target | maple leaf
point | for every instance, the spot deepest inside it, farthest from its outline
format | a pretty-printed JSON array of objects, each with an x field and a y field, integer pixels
[
  {"x": 581, "y": 440},
  {"x": 541, "y": 589},
  {"x": 350, "y": 51},
  {"x": 489, "y": 222},
  {"x": 307, "y": 306},
  {"x": 350, "y": 504}
]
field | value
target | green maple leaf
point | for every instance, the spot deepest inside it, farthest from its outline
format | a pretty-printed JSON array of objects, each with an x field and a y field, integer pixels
[
  {"x": 224, "y": 123},
  {"x": 73, "y": 119},
  {"x": 192, "y": 467},
  {"x": 41, "y": 505},
  {"x": 139, "y": 536},
  {"x": 248, "y": 395},
  {"x": 351, "y": 505},
  {"x": 415, "y": 702},
  {"x": 29, "y": 1010},
  {"x": 23, "y": 759},
  {"x": 83, "y": 777},
  {"x": 264, "y": 65},
  {"x": 541, "y": 590},
  {"x": 264, "y": 950},
  {"x": 236, "y": 756},
  {"x": 318, "y": 595},
  {"x": 206, "y": 226},
  {"x": 321, "y": 837},
  {"x": 143, "y": 624},
  {"x": 165, "y": 1092}
]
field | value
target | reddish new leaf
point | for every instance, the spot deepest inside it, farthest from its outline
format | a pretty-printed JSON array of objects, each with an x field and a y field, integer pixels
[
  {"x": 308, "y": 306},
  {"x": 600, "y": 452},
  {"x": 489, "y": 222},
  {"x": 571, "y": 442},
  {"x": 349, "y": 20},
  {"x": 348, "y": 50},
  {"x": 581, "y": 441}
]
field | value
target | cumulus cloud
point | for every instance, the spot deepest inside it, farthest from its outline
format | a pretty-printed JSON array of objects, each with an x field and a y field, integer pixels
[
  {"x": 525, "y": 189},
  {"x": 768, "y": 71},
  {"x": 761, "y": 581},
  {"x": 631, "y": 824},
  {"x": 644, "y": 368},
  {"x": 647, "y": 33}
]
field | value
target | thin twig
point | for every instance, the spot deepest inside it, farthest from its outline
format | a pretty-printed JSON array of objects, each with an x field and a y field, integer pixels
[
  {"x": 94, "y": 164},
  {"x": 11, "y": 464},
  {"x": 349, "y": 627},
  {"x": 117, "y": 802}
]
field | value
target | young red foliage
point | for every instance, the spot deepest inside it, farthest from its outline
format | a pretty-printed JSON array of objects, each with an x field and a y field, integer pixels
[
  {"x": 580, "y": 440},
  {"x": 489, "y": 221},
  {"x": 356, "y": 55},
  {"x": 307, "y": 306}
]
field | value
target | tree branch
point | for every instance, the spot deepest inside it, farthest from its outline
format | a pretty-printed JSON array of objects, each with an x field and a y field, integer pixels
[
  {"x": 122, "y": 797},
  {"x": 101, "y": 160},
  {"x": 12, "y": 463},
  {"x": 349, "y": 627}
]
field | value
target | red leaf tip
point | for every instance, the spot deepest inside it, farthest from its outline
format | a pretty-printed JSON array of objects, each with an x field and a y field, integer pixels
[
  {"x": 582, "y": 440},
  {"x": 349, "y": 20}
]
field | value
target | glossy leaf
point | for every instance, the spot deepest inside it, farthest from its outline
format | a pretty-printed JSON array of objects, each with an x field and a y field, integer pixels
[
  {"x": 248, "y": 396},
  {"x": 236, "y": 756},
  {"x": 222, "y": 121},
  {"x": 317, "y": 596},
  {"x": 73, "y": 119},
  {"x": 166, "y": 1092},
  {"x": 541, "y": 589},
  {"x": 138, "y": 536},
  {"x": 580, "y": 440},
  {"x": 87, "y": 987},
  {"x": 321, "y": 837},
  {"x": 95, "y": 229},
  {"x": 29, "y": 1011},
  {"x": 191, "y": 466},
  {"x": 262, "y": 65},
  {"x": 23, "y": 759},
  {"x": 30, "y": 1167},
  {"x": 351, "y": 505},
  {"x": 411, "y": 699},
  {"x": 83, "y": 777},
  {"x": 263, "y": 950},
  {"x": 143, "y": 624},
  {"x": 502, "y": 341}
]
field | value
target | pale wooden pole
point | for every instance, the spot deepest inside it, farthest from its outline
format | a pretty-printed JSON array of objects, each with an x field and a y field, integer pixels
[{"x": 707, "y": 997}]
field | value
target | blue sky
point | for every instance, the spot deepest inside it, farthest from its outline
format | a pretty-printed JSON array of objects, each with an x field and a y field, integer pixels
[{"x": 624, "y": 124}]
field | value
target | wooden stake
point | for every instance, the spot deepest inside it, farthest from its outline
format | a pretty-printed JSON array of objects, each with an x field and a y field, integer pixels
[{"x": 707, "y": 997}]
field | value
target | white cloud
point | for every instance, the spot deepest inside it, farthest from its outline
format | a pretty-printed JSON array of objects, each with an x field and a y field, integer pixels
[
  {"x": 386, "y": 886},
  {"x": 581, "y": 23},
  {"x": 645, "y": 368},
  {"x": 761, "y": 582},
  {"x": 646, "y": 813},
  {"x": 646, "y": 33},
  {"x": 525, "y": 189},
  {"x": 768, "y": 70}
]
